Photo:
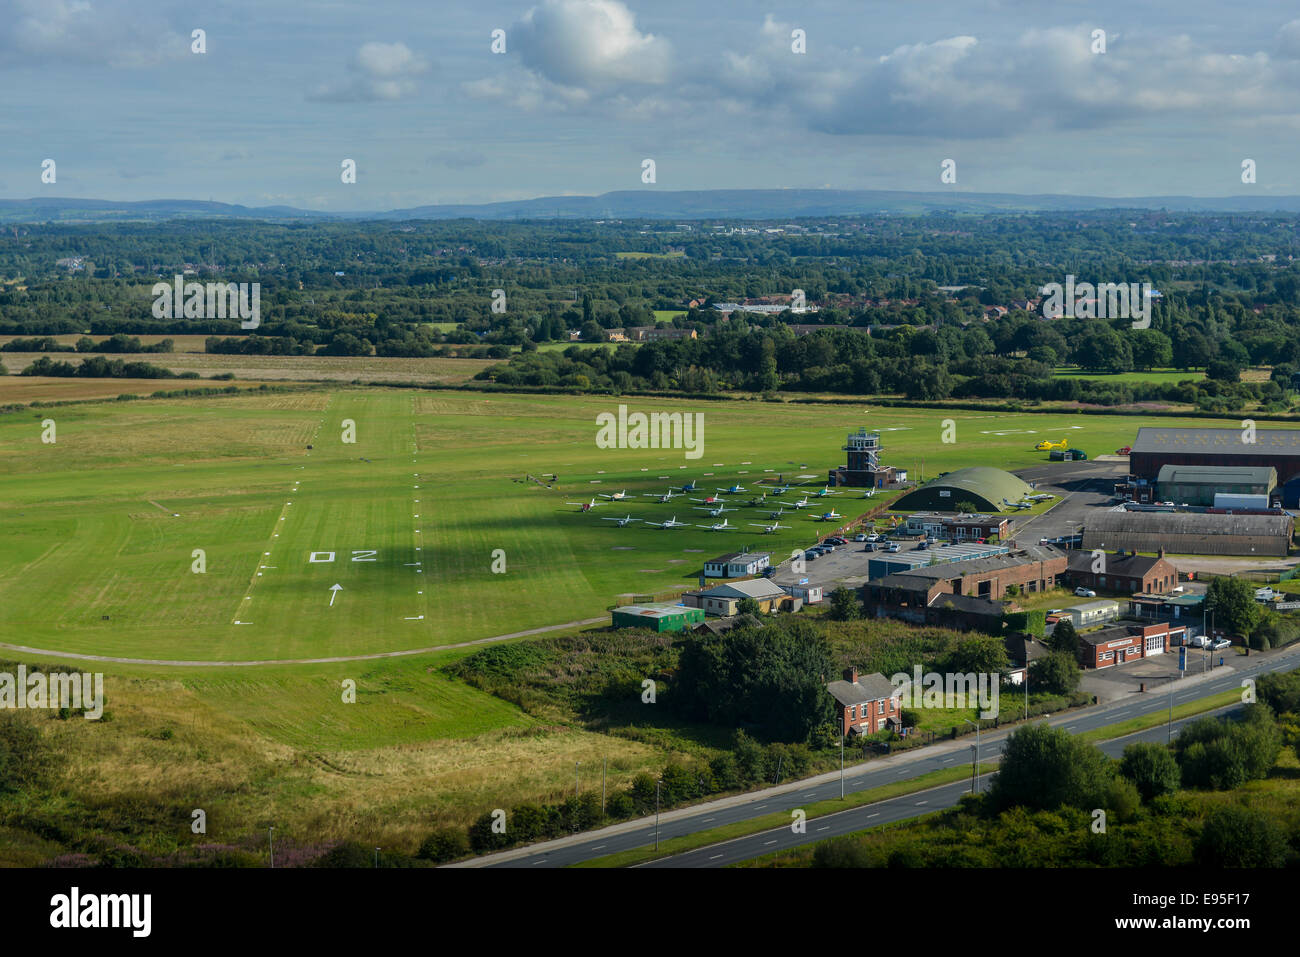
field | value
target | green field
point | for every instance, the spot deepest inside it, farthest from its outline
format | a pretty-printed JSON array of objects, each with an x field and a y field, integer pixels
[{"x": 100, "y": 527}]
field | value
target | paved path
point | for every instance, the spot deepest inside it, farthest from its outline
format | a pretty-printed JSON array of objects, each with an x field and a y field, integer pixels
[{"x": 170, "y": 663}]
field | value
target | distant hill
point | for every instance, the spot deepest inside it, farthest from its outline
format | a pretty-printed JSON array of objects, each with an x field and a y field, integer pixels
[{"x": 758, "y": 204}]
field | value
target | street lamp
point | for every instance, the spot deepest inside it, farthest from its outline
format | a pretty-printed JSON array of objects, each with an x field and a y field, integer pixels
[
  {"x": 975, "y": 762},
  {"x": 270, "y": 843},
  {"x": 657, "y": 783}
]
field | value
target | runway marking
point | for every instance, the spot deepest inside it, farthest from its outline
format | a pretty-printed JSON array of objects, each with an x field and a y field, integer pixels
[{"x": 715, "y": 857}]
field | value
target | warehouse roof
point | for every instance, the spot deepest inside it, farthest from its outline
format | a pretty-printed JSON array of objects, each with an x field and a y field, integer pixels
[
  {"x": 1187, "y": 523},
  {"x": 733, "y": 556},
  {"x": 759, "y": 588},
  {"x": 1219, "y": 441},
  {"x": 1217, "y": 475},
  {"x": 653, "y": 611},
  {"x": 976, "y": 566},
  {"x": 1123, "y": 563}
]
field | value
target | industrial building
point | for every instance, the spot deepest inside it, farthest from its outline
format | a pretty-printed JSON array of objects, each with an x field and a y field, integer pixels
[
  {"x": 1123, "y": 571},
  {"x": 1190, "y": 533},
  {"x": 1198, "y": 484},
  {"x": 863, "y": 468},
  {"x": 1154, "y": 448},
  {"x": 657, "y": 617},
  {"x": 958, "y": 527},
  {"x": 878, "y": 566},
  {"x": 1114, "y": 646},
  {"x": 1090, "y": 614},
  {"x": 980, "y": 487},
  {"x": 1031, "y": 569}
]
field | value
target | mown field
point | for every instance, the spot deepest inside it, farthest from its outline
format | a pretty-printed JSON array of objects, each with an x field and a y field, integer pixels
[{"x": 101, "y": 526}]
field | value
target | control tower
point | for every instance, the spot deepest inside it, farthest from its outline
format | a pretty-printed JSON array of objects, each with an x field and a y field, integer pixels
[{"x": 864, "y": 469}]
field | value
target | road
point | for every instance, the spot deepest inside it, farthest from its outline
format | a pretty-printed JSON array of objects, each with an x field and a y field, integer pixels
[{"x": 901, "y": 767}]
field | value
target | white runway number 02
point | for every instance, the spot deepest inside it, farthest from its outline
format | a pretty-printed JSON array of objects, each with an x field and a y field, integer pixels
[{"x": 358, "y": 555}]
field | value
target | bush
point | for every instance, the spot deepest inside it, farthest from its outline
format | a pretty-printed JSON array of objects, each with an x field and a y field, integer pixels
[
  {"x": 444, "y": 844},
  {"x": 1122, "y": 799},
  {"x": 27, "y": 761},
  {"x": 1240, "y": 837},
  {"x": 1152, "y": 769}
]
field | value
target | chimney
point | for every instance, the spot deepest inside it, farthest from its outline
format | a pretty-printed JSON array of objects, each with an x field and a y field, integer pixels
[
  {"x": 1161, "y": 553},
  {"x": 851, "y": 675}
]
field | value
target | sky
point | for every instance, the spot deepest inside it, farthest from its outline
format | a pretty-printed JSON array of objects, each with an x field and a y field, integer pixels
[{"x": 1017, "y": 94}]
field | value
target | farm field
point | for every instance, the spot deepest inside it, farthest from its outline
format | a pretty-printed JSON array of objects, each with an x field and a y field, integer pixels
[
  {"x": 101, "y": 527},
  {"x": 25, "y": 389},
  {"x": 181, "y": 343},
  {"x": 289, "y": 368},
  {"x": 1162, "y": 376}
]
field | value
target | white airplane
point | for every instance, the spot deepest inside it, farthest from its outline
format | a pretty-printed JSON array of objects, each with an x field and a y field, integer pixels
[
  {"x": 665, "y": 497},
  {"x": 868, "y": 493},
  {"x": 615, "y": 496},
  {"x": 802, "y": 503},
  {"x": 714, "y": 512},
  {"x": 671, "y": 523},
  {"x": 586, "y": 506},
  {"x": 768, "y": 529},
  {"x": 721, "y": 526},
  {"x": 777, "y": 514},
  {"x": 830, "y": 516},
  {"x": 1017, "y": 504},
  {"x": 1044, "y": 497},
  {"x": 626, "y": 520}
]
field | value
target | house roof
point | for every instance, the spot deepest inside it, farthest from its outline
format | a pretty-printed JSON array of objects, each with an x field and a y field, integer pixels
[
  {"x": 1118, "y": 564},
  {"x": 1022, "y": 649},
  {"x": 719, "y": 625},
  {"x": 975, "y": 566},
  {"x": 871, "y": 687},
  {"x": 968, "y": 603},
  {"x": 730, "y": 557},
  {"x": 758, "y": 588}
]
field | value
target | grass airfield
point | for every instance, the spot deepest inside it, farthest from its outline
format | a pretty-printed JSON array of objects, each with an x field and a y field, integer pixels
[
  {"x": 100, "y": 528},
  {"x": 97, "y": 533}
]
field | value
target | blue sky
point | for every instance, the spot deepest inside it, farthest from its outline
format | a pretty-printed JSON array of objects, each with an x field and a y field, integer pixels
[{"x": 587, "y": 89}]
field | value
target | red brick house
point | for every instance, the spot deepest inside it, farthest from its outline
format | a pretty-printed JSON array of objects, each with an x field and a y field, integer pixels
[
  {"x": 866, "y": 704},
  {"x": 1121, "y": 643},
  {"x": 1123, "y": 571}
]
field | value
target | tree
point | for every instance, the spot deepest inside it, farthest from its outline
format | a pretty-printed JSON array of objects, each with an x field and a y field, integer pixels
[
  {"x": 1223, "y": 370},
  {"x": 1240, "y": 837},
  {"x": 845, "y": 605},
  {"x": 1045, "y": 767},
  {"x": 1064, "y": 638},
  {"x": 1152, "y": 769},
  {"x": 1232, "y": 603},
  {"x": 748, "y": 606},
  {"x": 592, "y": 332},
  {"x": 980, "y": 654},
  {"x": 1056, "y": 673}
]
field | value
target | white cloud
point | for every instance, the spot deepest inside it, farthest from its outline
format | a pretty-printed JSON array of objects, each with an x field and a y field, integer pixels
[
  {"x": 106, "y": 31},
  {"x": 378, "y": 71}
]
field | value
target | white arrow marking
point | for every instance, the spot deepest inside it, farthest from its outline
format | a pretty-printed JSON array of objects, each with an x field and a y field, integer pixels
[{"x": 334, "y": 590}]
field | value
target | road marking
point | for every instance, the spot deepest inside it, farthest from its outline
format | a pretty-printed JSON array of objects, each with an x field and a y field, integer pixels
[
  {"x": 919, "y": 803},
  {"x": 707, "y": 820},
  {"x": 825, "y": 828},
  {"x": 877, "y": 814},
  {"x": 598, "y": 847},
  {"x": 946, "y": 760},
  {"x": 766, "y": 843},
  {"x": 715, "y": 857}
]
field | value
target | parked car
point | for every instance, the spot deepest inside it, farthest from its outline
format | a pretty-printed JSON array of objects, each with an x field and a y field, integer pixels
[
  {"x": 860, "y": 537},
  {"x": 922, "y": 545},
  {"x": 893, "y": 547},
  {"x": 811, "y": 555},
  {"x": 1219, "y": 644},
  {"x": 1085, "y": 592},
  {"x": 1265, "y": 594},
  {"x": 1044, "y": 541},
  {"x": 836, "y": 540},
  {"x": 1199, "y": 641},
  {"x": 1126, "y": 450}
]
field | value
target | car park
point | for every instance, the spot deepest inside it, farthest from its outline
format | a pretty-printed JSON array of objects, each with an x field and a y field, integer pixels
[{"x": 1085, "y": 592}]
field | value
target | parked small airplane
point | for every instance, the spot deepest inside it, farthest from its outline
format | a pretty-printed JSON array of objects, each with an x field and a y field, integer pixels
[
  {"x": 671, "y": 523},
  {"x": 757, "y": 501},
  {"x": 713, "y": 512},
  {"x": 830, "y": 516},
  {"x": 688, "y": 487},
  {"x": 721, "y": 526},
  {"x": 626, "y": 520},
  {"x": 586, "y": 506},
  {"x": 1044, "y": 497},
  {"x": 777, "y": 514},
  {"x": 823, "y": 492},
  {"x": 710, "y": 500},
  {"x": 732, "y": 490},
  {"x": 1017, "y": 504},
  {"x": 781, "y": 489},
  {"x": 615, "y": 496},
  {"x": 868, "y": 493},
  {"x": 665, "y": 497},
  {"x": 802, "y": 503},
  {"x": 768, "y": 529},
  {"x": 1047, "y": 445}
]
